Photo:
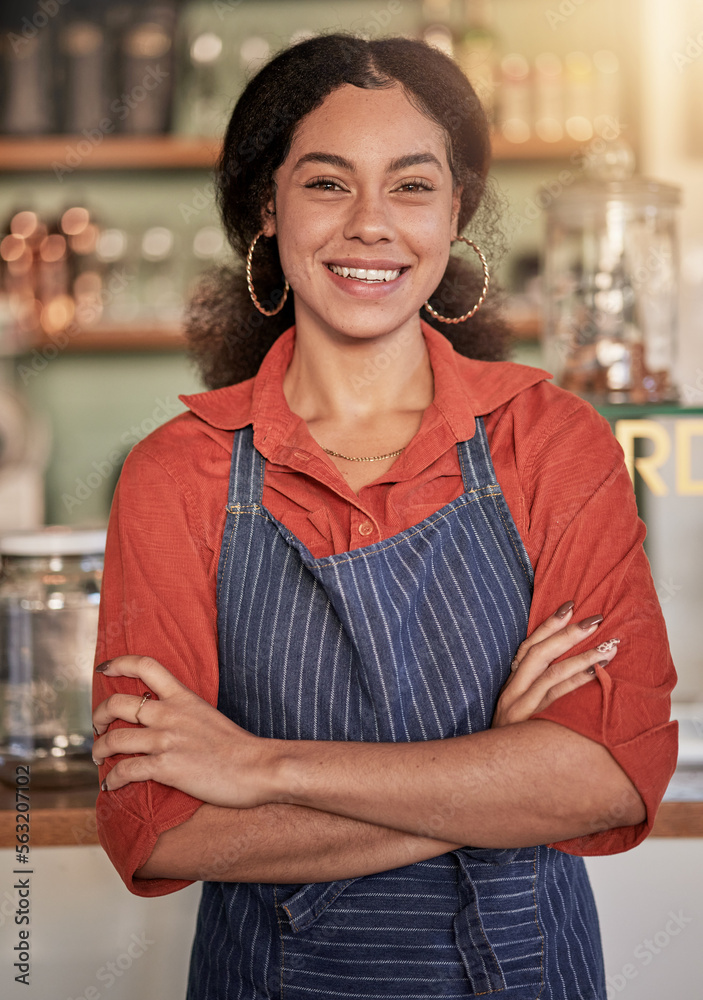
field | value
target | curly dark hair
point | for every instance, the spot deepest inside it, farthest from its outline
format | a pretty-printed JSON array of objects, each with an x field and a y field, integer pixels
[{"x": 227, "y": 336}]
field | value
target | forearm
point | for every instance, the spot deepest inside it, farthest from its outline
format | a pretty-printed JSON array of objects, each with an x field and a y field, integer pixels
[
  {"x": 530, "y": 783},
  {"x": 282, "y": 843}
]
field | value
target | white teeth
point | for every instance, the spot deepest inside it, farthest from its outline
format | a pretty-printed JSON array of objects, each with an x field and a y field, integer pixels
[{"x": 363, "y": 273}]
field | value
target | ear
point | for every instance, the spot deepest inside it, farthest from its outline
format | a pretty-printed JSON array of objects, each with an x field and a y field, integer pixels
[
  {"x": 268, "y": 218},
  {"x": 456, "y": 208}
]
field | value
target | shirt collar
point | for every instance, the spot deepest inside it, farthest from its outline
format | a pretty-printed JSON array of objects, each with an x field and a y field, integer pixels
[{"x": 463, "y": 389}]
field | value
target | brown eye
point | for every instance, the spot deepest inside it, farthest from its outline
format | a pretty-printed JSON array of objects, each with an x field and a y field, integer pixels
[
  {"x": 416, "y": 185},
  {"x": 323, "y": 184}
]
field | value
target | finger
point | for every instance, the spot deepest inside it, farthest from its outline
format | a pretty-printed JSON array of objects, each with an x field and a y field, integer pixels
[
  {"x": 559, "y": 678},
  {"x": 572, "y": 683},
  {"x": 141, "y": 768},
  {"x": 121, "y": 706},
  {"x": 539, "y": 657},
  {"x": 125, "y": 741},
  {"x": 145, "y": 668},
  {"x": 556, "y": 621}
]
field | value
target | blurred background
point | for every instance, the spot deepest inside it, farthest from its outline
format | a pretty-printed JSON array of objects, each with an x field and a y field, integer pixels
[{"x": 111, "y": 115}]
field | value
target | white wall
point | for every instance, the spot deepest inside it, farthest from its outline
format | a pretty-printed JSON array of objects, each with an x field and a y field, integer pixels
[{"x": 82, "y": 918}]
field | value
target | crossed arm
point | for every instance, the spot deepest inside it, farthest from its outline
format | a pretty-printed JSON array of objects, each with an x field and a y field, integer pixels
[{"x": 306, "y": 811}]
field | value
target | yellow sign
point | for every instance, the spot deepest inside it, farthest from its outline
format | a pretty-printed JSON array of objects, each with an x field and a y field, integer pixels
[{"x": 627, "y": 431}]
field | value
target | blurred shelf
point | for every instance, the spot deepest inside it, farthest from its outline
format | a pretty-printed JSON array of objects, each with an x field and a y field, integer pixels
[
  {"x": 64, "y": 154},
  {"x": 135, "y": 337},
  {"x": 131, "y": 337},
  {"x": 536, "y": 149},
  {"x": 528, "y": 329},
  {"x": 56, "y": 819}
]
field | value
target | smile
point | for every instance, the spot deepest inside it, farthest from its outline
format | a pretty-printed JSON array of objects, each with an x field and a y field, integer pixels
[{"x": 365, "y": 274}]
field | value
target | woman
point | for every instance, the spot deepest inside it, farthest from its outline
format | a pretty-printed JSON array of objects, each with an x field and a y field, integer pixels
[{"x": 349, "y": 542}]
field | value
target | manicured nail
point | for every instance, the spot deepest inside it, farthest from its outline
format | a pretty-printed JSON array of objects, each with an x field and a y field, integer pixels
[
  {"x": 95, "y": 732},
  {"x": 563, "y": 611},
  {"x": 97, "y": 763},
  {"x": 608, "y": 645},
  {"x": 590, "y": 622},
  {"x": 102, "y": 667},
  {"x": 103, "y": 786},
  {"x": 601, "y": 663}
]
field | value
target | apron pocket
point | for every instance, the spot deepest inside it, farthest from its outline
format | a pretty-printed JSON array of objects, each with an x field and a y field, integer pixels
[{"x": 306, "y": 904}]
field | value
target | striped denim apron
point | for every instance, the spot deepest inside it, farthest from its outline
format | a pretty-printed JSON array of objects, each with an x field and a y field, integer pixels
[{"x": 406, "y": 639}]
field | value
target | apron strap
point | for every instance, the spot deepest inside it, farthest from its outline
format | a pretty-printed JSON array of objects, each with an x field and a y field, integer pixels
[
  {"x": 475, "y": 459},
  {"x": 246, "y": 481}
]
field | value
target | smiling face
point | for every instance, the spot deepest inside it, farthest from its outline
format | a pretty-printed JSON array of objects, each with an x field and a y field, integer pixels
[{"x": 366, "y": 186}]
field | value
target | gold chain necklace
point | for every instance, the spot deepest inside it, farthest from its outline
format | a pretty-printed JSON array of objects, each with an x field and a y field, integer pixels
[{"x": 376, "y": 458}]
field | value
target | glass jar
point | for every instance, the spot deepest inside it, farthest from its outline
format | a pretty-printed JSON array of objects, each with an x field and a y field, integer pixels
[
  {"x": 611, "y": 276},
  {"x": 49, "y": 597}
]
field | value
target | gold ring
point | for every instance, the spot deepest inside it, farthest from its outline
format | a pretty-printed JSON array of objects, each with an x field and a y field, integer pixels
[{"x": 145, "y": 697}]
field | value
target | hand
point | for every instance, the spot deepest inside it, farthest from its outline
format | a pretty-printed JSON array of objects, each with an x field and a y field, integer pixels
[
  {"x": 183, "y": 741},
  {"x": 536, "y": 681}
]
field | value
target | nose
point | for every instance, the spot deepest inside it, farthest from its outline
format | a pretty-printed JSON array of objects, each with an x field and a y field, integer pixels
[{"x": 369, "y": 218}]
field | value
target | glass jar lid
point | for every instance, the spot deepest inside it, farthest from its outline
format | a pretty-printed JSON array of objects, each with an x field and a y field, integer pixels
[{"x": 54, "y": 540}]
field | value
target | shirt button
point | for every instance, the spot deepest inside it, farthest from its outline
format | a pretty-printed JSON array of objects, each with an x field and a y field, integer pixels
[{"x": 365, "y": 528}]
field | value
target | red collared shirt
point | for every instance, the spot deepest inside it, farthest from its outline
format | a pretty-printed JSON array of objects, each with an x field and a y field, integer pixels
[{"x": 562, "y": 474}]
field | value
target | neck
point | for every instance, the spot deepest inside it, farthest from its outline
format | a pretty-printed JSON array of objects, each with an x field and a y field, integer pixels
[{"x": 354, "y": 380}]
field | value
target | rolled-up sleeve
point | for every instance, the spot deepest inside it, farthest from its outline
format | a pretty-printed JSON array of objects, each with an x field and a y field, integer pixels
[
  {"x": 585, "y": 541},
  {"x": 158, "y": 600}
]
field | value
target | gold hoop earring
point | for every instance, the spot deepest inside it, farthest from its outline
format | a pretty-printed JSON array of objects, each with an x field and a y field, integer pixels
[
  {"x": 482, "y": 297},
  {"x": 250, "y": 283}
]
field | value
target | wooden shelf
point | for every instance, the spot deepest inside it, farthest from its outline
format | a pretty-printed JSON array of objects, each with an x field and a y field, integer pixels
[
  {"x": 136, "y": 337},
  {"x": 129, "y": 337},
  {"x": 59, "y": 153},
  {"x": 64, "y": 154},
  {"x": 535, "y": 149}
]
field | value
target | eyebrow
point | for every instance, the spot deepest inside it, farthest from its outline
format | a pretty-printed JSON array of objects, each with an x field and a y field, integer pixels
[{"x": 399, "y": 163}]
